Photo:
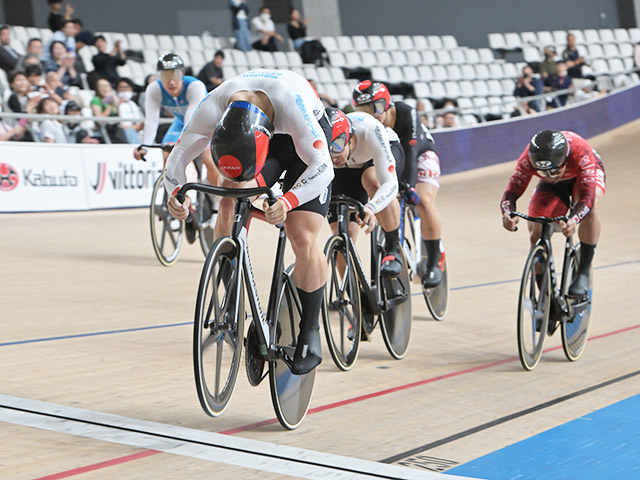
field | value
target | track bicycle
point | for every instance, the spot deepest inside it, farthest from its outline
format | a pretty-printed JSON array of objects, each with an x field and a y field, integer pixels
[
  {"x": 353, "y": 304},
  {"x": 167, "y": 233},
  {"x": 437, "y": 298},
  {"x": 218, "y": 336},
  {"x": 543, "y": 304}
]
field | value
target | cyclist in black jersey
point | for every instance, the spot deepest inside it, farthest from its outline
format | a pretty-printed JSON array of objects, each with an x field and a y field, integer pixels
[{"x": 422, "y": 165}]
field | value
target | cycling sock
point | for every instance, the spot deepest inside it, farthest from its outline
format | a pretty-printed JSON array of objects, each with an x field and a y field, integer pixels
[
  {"x": 311, "y": 303},
  {"x": 308, "y": 354},
  {"x": 433, "y": 252},
  {"x": 586, "y": 256},
  {"x": 392, "y": 240}
]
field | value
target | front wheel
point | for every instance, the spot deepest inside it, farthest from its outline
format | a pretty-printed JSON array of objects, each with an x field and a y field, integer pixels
[
  {"x": 437, "y": 298},
  {"x": 290, "y": 394},
  {"x": 576, "y": 330},
  {"x": 533, "y": 307},
  {"x": 341, "y": 313},
  {"x": 218, "y": 333},
  {"x": 166, "y": 231}
]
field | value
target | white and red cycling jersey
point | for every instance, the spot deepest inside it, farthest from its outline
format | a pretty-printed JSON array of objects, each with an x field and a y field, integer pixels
[
  {"x": 373, "y": 144},
  {"x": 584, "y": 169},
  {"x": 296, "y": 109}
]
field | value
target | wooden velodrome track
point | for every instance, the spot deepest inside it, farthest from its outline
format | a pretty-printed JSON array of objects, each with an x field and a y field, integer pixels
[{"x": 90, "y": 320}]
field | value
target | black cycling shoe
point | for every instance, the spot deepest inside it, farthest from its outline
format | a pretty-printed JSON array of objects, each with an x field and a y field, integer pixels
[
  {"x": 190, "y": 232},
  {"x": 308, "y": 352},
  {"x": 579, "y": 286},
  {"x": 391, "y": 264},
  {"x": 432, "y": 277}
]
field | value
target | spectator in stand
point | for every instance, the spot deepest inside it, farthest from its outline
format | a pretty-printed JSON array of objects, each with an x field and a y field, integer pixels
[
  {"x": 66, "y": 35},
  {"x": 57, "y": 89},
  {"x": 528, "y": 85},
  {"x": 297, "y": 28},
  {"x": 57, "y": 51},
  {"x": 76, "y": 132},
  {"x": 572, "y": 57},
  {"x": 30, "y": 59},
  {"x": 130, "y": 110},
  {"x": 558, "y": 81},
  {"x": 11, "y": 133},
  {"x": 421, "y": 109},
  {"x": 152, "y": 77},
  {"x": 105, "y": 104},
  {"x": 263, "y": 31},
  {"x": 23, "y": 99},
  {"x": 9, "y": 58},
  {"x": 34, "y": 49},
  {"x": 106, "y": 64},
  {"x": 211, "y": 74},
  {"x": 34, "y": 75},
  {"x": 326, "y": 100},
  {"x": 51, "y": 131},
  {"x": 68, "y": 73},
  {"x": 240, "y": 24},
  {"x": 449, "y": 118},
  {"x": 548, "y": 65},
  {"x": 56, "y": 20}
]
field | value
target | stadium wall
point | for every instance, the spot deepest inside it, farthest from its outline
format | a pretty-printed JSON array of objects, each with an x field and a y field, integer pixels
[
  {"x": 503, "y": 141},
  {"x": 50, "y": 177}
]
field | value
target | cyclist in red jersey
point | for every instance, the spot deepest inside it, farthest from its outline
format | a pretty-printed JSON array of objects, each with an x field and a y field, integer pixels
[{"x": 570, "y": 172}]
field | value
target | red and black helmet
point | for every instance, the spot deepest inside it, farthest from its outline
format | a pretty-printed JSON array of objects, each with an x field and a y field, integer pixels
[
  {"x": 240, "y": 142},
  {"x": 341, "y": 129},
  {"x": 372, "y": 97}
]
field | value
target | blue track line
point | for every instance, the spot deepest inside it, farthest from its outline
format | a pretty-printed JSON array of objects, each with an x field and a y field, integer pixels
[{"x": 171, "y": 325}]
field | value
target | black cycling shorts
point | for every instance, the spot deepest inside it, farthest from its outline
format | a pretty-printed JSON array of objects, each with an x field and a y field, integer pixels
[
  {"x": 348, "y": 181},
  {"x": 283, "y": 157}
]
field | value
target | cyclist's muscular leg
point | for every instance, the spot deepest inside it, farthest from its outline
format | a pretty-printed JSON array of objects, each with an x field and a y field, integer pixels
[
  {"x": 588, "y": 232},
  {"x": 310, "y": 275},
  {"x": 431, "y": 229},
  {"x": 227, "y": 206}
]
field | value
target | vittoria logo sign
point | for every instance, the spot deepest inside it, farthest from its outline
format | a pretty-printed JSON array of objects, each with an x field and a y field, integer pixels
[
  {"x": 8, "y": 177},
  {"x": 122, "y": 177}
]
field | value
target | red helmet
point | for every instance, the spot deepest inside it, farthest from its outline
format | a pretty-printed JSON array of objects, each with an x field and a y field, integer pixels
[
  {"x": 240, "y": 142},
  {"x": 341, "y": 129},
  {"x": 372, "y": 97}
]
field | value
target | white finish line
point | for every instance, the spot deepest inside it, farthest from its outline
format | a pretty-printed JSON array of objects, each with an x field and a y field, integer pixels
[{"x": 257, "y": 455}]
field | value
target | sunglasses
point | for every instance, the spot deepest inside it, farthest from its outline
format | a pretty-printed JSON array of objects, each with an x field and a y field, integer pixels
[
  {"x": 339, "y": 144},
  {"x": 168, "y": 75},
  {"x": 377, "y": 107}
]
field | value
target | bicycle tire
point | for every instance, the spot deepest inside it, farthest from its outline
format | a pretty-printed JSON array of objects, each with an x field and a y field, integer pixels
[
  {"x": 164, "y": 226},
  {"x": 290, "y": 394},
  {"x": 341, "y": 312},
  {"x": 207, "y": 215},
  {"x": 395, "y": 322},
  {"x": 533, "y": 309},
  {"x": 218, "y": 333},
  {"x": 575, "y": 331}
]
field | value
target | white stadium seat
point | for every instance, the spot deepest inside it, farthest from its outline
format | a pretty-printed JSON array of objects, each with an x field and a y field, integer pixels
[
  {"x": 405, "y": 42},
  {"x": 390, "y": 42},
  {"x": 360, "y": 43},
  {"x": 420, "y": 42},
  {"x": 150, "y": 41}
]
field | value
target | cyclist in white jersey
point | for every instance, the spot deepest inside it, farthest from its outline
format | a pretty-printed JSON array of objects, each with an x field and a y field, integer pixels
[
  {"x": 359, "y": 141},
  {"x": 263, "y": 123}
]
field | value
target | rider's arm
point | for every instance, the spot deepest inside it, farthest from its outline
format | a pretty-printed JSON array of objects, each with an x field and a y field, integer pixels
[
  {"x": 196, "y": 91},
  {"x": 193, "y": 140},
  {"x": 385, "y": 166},
  {"x": 152, "y": 104},
  {"x": 518, "y": 183}
]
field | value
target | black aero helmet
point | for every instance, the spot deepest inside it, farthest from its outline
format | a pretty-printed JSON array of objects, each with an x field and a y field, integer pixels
[
  {"x": 170, "y": 61},
  {"x": 548, "y": 150},
  {"x": 240, "y": 142}
]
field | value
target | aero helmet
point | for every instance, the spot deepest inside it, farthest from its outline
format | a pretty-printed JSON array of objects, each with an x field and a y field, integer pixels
[
  {"x": 240, "y": 142},
  {"x": 341, "y": 129},
  {"x": 548, "y": 150},
  {"x": 373, "y": 97}
]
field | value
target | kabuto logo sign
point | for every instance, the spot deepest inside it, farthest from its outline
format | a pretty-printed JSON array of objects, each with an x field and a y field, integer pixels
[
  {"x": 123, "y": 177},
  {"x": 8, "y": 177}
]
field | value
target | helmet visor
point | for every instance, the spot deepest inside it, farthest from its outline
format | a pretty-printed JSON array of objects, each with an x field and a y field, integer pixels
[
  {"x": 377, "y": 107},
  {"x": 167, "y": 75},
  {"x": 339, "y": 144}
]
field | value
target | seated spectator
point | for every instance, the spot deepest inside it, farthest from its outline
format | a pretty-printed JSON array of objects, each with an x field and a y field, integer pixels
[
  {"x": 57, "y": 51},
  {"x": 240, "y": 24},
  {"x": 528, "y": 85},
  {"x": 572, "y": 57},
  {"x": 105, "y": 63},
  {"x": 548, "y": 65},
  {"x": 449, "y": 120},
  {"x": 326, "y": 100},
  {"x": 34, "y": 75},
  {"x": 66, "y": 35},
  {"x": 77, "y": 132},
  {"x": 51, "y": 131},
  {"x": 263, "y": 31},
  {"x": 297, "y": 28},
  {"x": 152, "y": 77},
  {"x": 105, "y": 104},
  {"x": 33, "y": 51},
  {"x": 129, "y": 109},
  {"x": 13, "y": 133},
  {"x": 559, "y": 80},
  {"x": 9, "y": 58},
  {"x": 68, "y": 73},
  {"x": 55, "y": 19},
  {"x": 57, "y": 89},
  {"x": 211, "y": 74},
  {"x": 589, "y": 90},
  {"x": 422, "y": 109},
  {"x": 23, "y": 99}
]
